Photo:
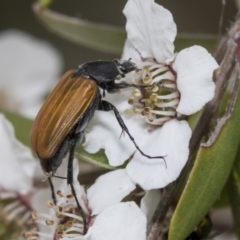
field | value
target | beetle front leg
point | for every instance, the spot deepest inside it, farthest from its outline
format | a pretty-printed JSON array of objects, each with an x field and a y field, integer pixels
[
  {"x": 52, "y": 191},
  {"x": 107, "y": 106},
  {"x": 73, "y": 142}
]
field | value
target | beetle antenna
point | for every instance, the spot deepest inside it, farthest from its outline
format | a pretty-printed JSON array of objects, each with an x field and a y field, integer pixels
[{"x": 59, "y": 177}]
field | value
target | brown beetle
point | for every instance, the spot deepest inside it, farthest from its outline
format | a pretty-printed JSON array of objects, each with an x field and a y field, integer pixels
[{"x": 60, "y": 123}]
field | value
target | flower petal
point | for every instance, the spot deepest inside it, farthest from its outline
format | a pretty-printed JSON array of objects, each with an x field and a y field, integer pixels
[
  {"x": 130, "y": 52},
  {"x": 17, "y": 163},
  {"x": 64, "y": 187},
  {"x": 29, "y": 69},
  {"x": 39, "y": 200},
  {"x": 108, "y": 189},
  {"x": 170, "y": 141},
  {"x": 119, "y": 221},
  {"x": 150, "y": 29},
  {"x": 104, "y": 133},
  {"x": 149, "y": 203},
  {"x": 194, "y": 67}
]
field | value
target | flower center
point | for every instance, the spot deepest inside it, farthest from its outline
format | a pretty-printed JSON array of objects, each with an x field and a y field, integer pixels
[
  {"x": 157, "y": 104},
  {"x": 15, "y": 212},
  {"x": 63, "y": 220}
]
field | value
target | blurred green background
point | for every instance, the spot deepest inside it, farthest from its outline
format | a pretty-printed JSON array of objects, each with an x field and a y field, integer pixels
[{"x": 190, "y": 16}]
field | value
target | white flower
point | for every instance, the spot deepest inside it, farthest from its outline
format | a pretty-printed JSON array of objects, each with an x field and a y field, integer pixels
[
  {"x": 17, "y": 163},
  {"x": 106, "y": 217},
  {"x": 46, "y": 215},
  {"x": 182, "y": 84},
  {"x": 114, "y": 220},
  {"x": 119, "y": 221},
  {"x": 29, "y": 69},
  {"x": 18, "y": 169},
  {"x": 108, "y": 189}
]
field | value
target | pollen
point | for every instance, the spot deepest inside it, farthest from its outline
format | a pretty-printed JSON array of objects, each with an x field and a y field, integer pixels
[
  {"x": 158, "y": 102},
  {"x": 50, "y": 204}
]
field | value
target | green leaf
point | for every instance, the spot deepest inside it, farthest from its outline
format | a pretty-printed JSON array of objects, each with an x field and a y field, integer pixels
[
  {"x": 234, "y": 192},
  {"x": 22, "y": 126},
  {"x": 93, "y": 35},
  {"x": 44, "y": 3},
  {"x": 208, "y": 176},
  {"x": 99, "y": 159},
  {"x": 188, "y": 40},
  {"x": 103, "y": 37}
]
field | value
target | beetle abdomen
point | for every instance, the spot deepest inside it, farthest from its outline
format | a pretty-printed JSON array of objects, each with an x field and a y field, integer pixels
[{"x": 62, "y": 110}]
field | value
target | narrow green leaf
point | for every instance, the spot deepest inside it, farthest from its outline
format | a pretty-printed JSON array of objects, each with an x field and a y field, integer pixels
[
  {"x": 208, "y": 176},
  {"x": 188, "y": 40},
  {"x": 22, "y": 126},
  {"x": 45, "y": 3},
  {"x": 234, "y": 192},
  {"x": 99, "y": 159},
  {"x": 93, "y": 35},
  {"x": 105, "y": 37}
]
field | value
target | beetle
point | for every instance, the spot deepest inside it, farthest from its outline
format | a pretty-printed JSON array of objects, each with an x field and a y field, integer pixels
[{"x": 60, "y": 123}]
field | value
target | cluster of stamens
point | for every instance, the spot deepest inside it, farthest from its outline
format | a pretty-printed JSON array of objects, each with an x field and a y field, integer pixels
[
  {"x": 158, "y": 103},
  {"x": 15, "y": 210},
  {"x": 65, "y": 221},
  {"x": 71, "y": 223}
]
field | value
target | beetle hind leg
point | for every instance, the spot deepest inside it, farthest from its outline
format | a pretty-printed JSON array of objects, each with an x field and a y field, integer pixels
[{"x": 106, "y": 106}]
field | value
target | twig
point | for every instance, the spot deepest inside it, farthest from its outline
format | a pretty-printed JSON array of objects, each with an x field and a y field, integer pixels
[{"x": 225, "y": 55}]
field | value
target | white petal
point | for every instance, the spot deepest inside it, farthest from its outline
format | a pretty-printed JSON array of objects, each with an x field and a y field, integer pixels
[
  {"x": 170, "y": 141},
  {"x": 130, "y": 52},
  {"x": 150, "y": 29},
  {"x": 194, "y": 67},
  {"x": 61, "y": 184},
  {"x": 104, "y": 132},
  {"x": 108, "y": 189},
  {"x": 149, "y": 203},
  {"x": 17, "y": 163},
  {"x": 39, "y": 200},
  {"x": 119, "y": 222},
  {"x": 29, "y": 69}
]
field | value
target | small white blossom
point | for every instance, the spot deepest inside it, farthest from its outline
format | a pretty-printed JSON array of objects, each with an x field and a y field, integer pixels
[
  {"x": 18, "y": 168},
  {"x": 17, "y": 162},
  {"x": 106, "y": 217},
  {"x": 29, "y": 70},
  {"x": 181, "y": 84},
  {"x": 108, "y": 189}
]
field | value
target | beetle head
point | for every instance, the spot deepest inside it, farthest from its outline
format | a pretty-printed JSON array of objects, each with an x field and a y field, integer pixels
[
  {"x": 49, "y": 167},
  {"x": 125, "y": 66}
]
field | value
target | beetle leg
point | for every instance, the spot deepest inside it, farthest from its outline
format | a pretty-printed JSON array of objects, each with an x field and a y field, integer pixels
[
  {"x": 123, "y": 85},
  {"x": 52, "y": 190},
  {"x": 107, "y": 106},
  {"x": 73, "y": 143}
]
